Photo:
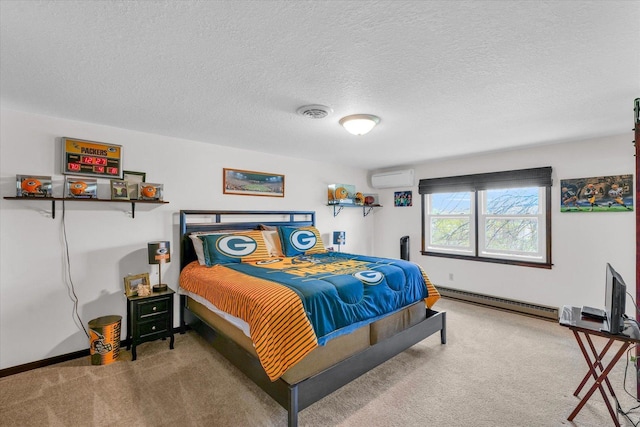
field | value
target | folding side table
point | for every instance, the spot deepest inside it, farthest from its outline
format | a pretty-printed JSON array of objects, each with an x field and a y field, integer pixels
[{"x": 583, "y": 330}]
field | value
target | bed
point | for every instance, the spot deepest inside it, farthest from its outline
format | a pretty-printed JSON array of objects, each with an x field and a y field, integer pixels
[{"x": 297, "y": 343}]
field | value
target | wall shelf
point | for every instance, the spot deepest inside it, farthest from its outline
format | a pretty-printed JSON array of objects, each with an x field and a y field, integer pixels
[
  {"x": 65, "y": 199},
  {"x": 366, "y": 209}
]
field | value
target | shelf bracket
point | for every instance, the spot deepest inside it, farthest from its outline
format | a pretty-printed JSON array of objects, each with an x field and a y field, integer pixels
[
  {"x": 63, "y": 199},
  {"x": 366, "y": 210}
]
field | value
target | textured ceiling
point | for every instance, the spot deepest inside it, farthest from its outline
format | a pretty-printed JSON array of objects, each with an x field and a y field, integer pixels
[{"x": 447, "y": 78}]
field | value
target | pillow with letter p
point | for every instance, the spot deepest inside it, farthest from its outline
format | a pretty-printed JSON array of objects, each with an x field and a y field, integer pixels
[
  {"x": 301, "y": 240},
  {"x": 231, "y": 248}
]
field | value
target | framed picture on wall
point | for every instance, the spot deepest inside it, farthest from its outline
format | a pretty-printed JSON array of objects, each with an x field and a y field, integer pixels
[
  {"x": 597, "y": 194},
  {"x": 402, "y": 198},
  {"x": 251, "y": 183}
]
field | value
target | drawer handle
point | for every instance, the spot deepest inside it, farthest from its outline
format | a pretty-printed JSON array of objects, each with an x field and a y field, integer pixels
[
  {"x": 154, "y": 308},
  {"x": 153, "y": 328}
]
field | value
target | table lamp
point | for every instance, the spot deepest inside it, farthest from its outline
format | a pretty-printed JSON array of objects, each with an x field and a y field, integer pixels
[
  {"x": 338, "y": 238},
  {"x": 159, "y": 253}
]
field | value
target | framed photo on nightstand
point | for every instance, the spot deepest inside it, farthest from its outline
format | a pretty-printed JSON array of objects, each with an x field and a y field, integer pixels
[{"x": 132, "y": 284}]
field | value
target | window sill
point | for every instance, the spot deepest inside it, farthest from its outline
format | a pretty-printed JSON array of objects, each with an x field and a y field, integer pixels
[{"x": 491, "y": 260}]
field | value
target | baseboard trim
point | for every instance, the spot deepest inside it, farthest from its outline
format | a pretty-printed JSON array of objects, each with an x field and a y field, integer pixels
[
  {"x": 56, "y": 359},
  {"x": 42, "y": 363},
  {"x": 520, "y": 307}
]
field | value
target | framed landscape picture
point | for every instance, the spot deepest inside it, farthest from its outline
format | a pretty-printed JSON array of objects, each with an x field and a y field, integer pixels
[{"x": 250, "y": 183}]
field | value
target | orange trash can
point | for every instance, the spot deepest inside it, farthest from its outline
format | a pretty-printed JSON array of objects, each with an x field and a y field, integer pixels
[{"x": 104, "y": 337}]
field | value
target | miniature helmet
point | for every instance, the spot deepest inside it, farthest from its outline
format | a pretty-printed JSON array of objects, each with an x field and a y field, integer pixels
[
  {"x": 31, "y": 185},
  {"x": 149, "y": 191},
  {"x": 341, "y": 193},
  {"x": 77, "y": 188}
]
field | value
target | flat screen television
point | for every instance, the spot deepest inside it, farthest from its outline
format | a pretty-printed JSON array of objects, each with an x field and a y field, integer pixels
[{"x": 615, "y": 301}]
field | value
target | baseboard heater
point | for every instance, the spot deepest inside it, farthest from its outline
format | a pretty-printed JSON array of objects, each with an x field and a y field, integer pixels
[{"x": 545, "y": 312}]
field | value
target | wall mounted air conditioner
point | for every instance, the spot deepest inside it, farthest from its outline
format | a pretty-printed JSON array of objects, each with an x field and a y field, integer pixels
[{"x": 390, "y": 179}]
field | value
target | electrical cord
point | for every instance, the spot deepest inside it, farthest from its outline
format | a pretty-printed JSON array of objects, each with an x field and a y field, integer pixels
[
  {"x": 69, "y": 283},
  {"x": 628, "y": 412},
  {"x": 624, "y": 380},
  {"x": 621, "y": 411},
  {"x": 634, "y": 303}
]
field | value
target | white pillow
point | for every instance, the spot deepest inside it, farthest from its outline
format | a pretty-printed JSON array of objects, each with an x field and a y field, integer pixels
[
  {"x": 272, "y": 241},
  {"x": 198, "y": 248}
]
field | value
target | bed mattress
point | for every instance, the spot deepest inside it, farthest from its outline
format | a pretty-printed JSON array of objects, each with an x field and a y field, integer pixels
[{"x": 322, "y": 357}]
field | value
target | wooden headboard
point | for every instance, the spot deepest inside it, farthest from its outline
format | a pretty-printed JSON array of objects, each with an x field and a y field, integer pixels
[{"x": 204, "y": 220}]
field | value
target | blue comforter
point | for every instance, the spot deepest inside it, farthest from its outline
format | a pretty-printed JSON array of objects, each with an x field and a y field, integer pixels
[{"x": 341, "y": 292}]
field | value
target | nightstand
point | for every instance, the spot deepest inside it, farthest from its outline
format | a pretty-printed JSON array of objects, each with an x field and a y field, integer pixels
[{"x": 149, "y": 318}]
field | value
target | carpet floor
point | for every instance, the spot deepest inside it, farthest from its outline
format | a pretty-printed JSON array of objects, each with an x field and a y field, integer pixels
[{"x": 497, "y": 369}]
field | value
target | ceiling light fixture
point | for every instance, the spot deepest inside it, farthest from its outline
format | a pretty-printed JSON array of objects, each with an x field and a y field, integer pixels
[{"x": 359, "y": 124}]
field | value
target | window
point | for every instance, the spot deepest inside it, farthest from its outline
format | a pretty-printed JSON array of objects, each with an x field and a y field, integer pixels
[
  {"x": 496, "y": 217},
  {"x": 450, "y": 222}
]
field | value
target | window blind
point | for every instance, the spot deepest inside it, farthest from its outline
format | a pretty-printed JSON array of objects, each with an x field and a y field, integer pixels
[{"x": 535, "y": 177}]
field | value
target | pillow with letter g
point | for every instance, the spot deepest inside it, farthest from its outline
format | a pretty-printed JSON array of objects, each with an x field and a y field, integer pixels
[
  {"x": 237, "y": 247},
  {"x": 301, "y": 241}
]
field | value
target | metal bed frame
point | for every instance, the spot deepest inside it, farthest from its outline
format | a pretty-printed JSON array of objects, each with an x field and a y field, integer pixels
[{"x": 292, "y": 397}]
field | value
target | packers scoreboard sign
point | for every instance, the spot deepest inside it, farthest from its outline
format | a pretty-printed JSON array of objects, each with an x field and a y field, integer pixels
[{"x": 91, "y": 158}]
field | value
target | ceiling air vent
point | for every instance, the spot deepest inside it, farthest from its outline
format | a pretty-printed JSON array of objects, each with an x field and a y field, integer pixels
[{"x": 315, "y": 111}]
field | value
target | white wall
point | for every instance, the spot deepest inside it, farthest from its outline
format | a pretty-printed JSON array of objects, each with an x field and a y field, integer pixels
[
  {"x": 36, "y": 320},
  {"x": 105, "y": 244},
  {"x": 582, "y": 243}
]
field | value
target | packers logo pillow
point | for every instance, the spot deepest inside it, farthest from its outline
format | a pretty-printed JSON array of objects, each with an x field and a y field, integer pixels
[
  {"x": 237, "y": 247},
  {"x": 301, "y": 241}
]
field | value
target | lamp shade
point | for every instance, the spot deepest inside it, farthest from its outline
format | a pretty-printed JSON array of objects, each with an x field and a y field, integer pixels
[
  {"x": 159, "y": 252},
  {"x": 359, "y": 124}
]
